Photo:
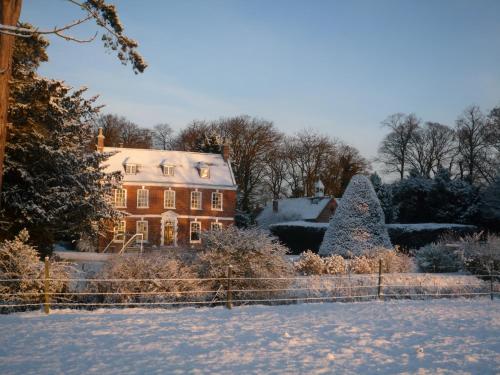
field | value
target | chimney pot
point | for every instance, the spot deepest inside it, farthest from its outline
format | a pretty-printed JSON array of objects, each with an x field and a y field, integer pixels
[
  {"x": 225, "y": 152},
  {"x": 100, "y": 141}
]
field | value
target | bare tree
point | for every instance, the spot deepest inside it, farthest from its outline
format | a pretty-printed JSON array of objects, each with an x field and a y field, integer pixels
[
  {"x": 276, "y": 171},
  {"x": 120, "y": 131},
  {"x": 494, "y": 125},
  {"x": 476, "y": 157},
  {"x": 394, "y": 150},
  {"x": 105, "y": 17},
  {"x": 431, "y": 146},
  {"x": 251, "y": 140},
  {"x": 192, "y": 136},
  {"x": 163, "y": 136}
]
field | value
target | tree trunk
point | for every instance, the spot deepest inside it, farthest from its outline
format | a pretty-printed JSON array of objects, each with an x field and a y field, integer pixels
[{"x": 9, "y": 15}]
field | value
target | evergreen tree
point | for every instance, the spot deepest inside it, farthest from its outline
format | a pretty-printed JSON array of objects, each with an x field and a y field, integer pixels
[
  {"x": 490, "y": 205},
  {"x": 384, "y": 194},
  {"x": 53, "y": 183},
  {"x": 411, "y": 199},
  {"x": 358, "y": 225}
]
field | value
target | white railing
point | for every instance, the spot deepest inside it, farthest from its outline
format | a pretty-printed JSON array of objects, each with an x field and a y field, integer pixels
[{"x": 135, "y": 236}]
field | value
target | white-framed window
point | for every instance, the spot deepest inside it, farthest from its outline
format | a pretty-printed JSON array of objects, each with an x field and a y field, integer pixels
[
  {"x": 196, "y": 200},
  {"x": 143, "y": 198},
  {"x": 195, "y": 232},
  {"x": 120, "y": 198},
  {"x": 130, "y": 168},
  {"x": 141, "y": 227},
  {"x": 168, "y": 170},
  {"x": 217, "y": 201},
  {"x": 169, "y": 199},
  {"x": 215, "y": 226},
  {"x": 204, "y": 172},
  {"x": 119, "y": 231}
]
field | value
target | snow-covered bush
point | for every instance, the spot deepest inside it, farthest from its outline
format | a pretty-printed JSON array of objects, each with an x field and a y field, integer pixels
[
  {"x": 358, "y": 225},
  {"x": 438, "y": 258},
  {"x": 252, "y": 253},
  {"x": 86, "y": 243},
  {"x": 362, "y": 264},
  {"x": 19, "y": 260},
  {"x": 481, "y": 256},
  {"x": 335, "y": 265},
  {"x": 157, "y": 280},
  {"x": 310, "y": 263}
]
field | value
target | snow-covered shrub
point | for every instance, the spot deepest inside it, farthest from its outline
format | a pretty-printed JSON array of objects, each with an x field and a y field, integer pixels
[
  {"x": 438, "y": 258},
  {"x": 19, "y": 260},
  {"x": 362, "y": 264},
  {"x": 481, "y": 256},
  {"x": 358, "y": 225},
  {"x": 393, "y": 261},
  {"x": 310, "y": 263},
  {"x": 152, "y": 278},
  {"x": 252, "y": 253},
  {"x": 335, "y": 265}
]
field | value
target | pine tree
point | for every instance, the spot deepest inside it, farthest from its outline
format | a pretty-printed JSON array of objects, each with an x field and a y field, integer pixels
[
  {"x": 358, "y": 225},
  {"x": 384, "y": 194},
  {"x": 490, "y": 205},
  {"x": 53, "y": 183}
]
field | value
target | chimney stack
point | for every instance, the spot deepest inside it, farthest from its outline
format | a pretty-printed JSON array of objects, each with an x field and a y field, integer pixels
[
  {"x": 275, "y": 205},
  {"x": 225, "y": 152},
  {"x": 100, "y": 141}
]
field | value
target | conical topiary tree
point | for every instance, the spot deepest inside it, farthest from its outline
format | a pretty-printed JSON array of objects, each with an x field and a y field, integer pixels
[{"x": 358, "y": 225}]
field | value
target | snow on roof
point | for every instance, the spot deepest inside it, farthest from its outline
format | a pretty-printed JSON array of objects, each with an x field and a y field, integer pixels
[
  {"x": 292, "y": 209},
  {"x": 185, "y": 163}
]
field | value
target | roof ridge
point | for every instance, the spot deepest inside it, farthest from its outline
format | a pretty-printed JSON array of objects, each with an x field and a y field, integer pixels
[{"x": 153, "y": 149}]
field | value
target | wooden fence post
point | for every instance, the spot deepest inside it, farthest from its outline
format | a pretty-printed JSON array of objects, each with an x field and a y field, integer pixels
[
  {"x": 379, "y": 291},
  {"x": 46, "y": 305},
  {"x": 229, "y": 292},
  {"x": 491, "y": 280}
]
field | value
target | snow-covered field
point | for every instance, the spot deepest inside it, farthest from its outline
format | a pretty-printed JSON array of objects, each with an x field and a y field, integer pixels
[{"x": 436, "y": 336}]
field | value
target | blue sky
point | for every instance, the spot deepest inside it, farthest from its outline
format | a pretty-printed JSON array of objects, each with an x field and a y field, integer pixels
[{"x": 339, "y": 67}]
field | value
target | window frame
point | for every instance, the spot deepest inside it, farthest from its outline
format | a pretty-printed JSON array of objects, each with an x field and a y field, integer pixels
[
  {"x": 214, "y": 224},
  {"x": 168, "y": 168},
  {"x": 191, "y": 232},
  {"x": 217, "y": 193},
  {"x": 165, "y": 193},
  {"x": 196, "y": 192},
  {"x": 207, "y": 169},
  {"x": 146, "y": 236},
  {"x": 124, "y": 197},
  {"x": 147, "y": 197},
  {"x": 131, "y": 165},
  {"x": 116, "y": 230}
]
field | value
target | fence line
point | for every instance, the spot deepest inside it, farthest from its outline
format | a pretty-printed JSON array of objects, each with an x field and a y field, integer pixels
[{"x": 230, "y": 287}]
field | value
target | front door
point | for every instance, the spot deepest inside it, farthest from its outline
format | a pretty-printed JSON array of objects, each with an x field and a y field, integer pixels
[{"x": 169, "y": 239}]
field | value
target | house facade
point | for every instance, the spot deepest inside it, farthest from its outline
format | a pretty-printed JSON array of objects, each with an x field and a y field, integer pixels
[{"x": 169, "y": 197}]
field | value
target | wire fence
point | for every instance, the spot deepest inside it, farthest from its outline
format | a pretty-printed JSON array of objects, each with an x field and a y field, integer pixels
[{"x": 19, "y": 294}]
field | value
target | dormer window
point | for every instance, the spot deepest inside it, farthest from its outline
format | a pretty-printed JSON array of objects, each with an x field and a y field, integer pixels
[
  {"x": 204, "y": 170},
  {"x": 168, "y": 170},
  {"x": 130, "y": 168}
]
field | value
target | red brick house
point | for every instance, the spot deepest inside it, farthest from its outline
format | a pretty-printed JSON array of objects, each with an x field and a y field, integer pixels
[{"x": 169, "y": 196}]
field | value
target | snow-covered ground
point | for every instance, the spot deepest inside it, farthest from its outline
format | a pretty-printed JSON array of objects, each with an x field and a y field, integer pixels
[{"x": 436, "y": 336}]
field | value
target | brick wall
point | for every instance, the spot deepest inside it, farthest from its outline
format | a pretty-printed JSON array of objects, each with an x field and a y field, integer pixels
[{"x": 152, "y": 214}]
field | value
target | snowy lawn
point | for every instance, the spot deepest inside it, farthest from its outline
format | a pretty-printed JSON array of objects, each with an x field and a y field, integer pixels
[{"x": 436, "y": 336}]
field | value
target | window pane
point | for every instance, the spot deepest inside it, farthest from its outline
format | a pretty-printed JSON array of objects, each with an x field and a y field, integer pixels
[
  {"x": 216, "y": 201},
  {"x": 142, "y": 227},
  {"x": 195, "y": 231},
  {"x": 169, "y": 201},
  {"x": 196, "y": 200},
  {"x": 120, "y": 198},
  {"x": 216, "y": 226},
  {"x": 143, "y": 198}
]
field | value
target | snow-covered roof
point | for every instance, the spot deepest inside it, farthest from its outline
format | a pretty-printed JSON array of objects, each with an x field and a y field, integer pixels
[
  {"x": 186, "y": 166},
  {"x": 292, "y": 209}
]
